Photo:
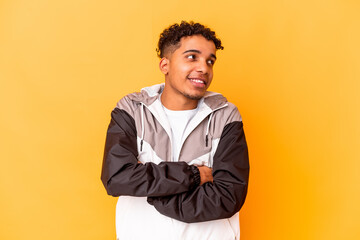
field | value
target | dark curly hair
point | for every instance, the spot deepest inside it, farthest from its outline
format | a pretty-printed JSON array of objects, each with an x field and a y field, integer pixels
[{"x": 172, "y": 35}]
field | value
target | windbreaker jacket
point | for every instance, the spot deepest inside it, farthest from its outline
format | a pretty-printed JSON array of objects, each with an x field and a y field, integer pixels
[{"x": 160, "y": 198}]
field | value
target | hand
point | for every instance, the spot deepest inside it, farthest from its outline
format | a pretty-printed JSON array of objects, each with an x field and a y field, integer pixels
[{"x": 205, "y": 174}]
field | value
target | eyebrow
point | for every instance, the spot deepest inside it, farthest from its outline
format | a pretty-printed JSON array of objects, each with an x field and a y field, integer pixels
[{"x": 197, "y": 51}]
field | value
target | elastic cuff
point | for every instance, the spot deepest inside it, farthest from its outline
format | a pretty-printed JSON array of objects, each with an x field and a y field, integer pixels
[{"x": 196, "y": 176}]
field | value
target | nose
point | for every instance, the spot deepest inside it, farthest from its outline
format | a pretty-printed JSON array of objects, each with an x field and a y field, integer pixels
[{"x": 202, "y": 67}]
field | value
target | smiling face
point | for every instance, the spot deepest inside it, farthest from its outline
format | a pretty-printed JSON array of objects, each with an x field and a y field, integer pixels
[{"x": 188, "y": 72}]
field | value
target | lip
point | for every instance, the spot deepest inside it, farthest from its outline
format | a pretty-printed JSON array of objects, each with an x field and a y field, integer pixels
[{"x": 198, "y": 81}]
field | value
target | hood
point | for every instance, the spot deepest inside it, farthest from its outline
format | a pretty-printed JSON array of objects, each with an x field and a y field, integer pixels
[{"x": 148, "y": 95}]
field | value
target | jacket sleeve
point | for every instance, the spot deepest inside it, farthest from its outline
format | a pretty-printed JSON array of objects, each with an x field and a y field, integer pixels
[
  {"x": 222, "y": 198},
  {"x": 123, "y": 175}
]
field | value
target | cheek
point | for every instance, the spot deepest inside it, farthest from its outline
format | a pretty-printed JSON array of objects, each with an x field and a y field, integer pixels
[
  {"x": 181, "y": 68},
  {"x": 211, "y": 74},
  {"x": 185, "y": 69}
]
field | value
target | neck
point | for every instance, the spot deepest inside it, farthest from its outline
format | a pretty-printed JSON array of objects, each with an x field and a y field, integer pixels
[{"x": 177, "y": 102}]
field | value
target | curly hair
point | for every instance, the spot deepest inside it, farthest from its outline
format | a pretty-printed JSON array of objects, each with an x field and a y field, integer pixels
[{"x": 171, "y": 36}]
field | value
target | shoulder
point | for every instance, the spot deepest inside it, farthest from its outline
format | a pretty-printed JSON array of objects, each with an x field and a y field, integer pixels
[
  {"x": 224, "y": 110},
  {"x": 125, "y": 104},
  {"x": 233, "y": 113},
  {"x": 131, "y": 102}
]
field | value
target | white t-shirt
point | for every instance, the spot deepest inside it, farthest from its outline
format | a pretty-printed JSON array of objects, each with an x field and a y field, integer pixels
[{"x": 178, "y": 121}]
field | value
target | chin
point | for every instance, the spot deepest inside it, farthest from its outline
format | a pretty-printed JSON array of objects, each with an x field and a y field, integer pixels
[{"x": 194, "y": 97}]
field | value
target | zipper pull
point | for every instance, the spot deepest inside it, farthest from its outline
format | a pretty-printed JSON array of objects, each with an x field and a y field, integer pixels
[{"x": 141, "y": 143}]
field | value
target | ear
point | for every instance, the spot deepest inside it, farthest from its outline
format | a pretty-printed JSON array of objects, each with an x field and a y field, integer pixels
[{"x": 164, "y": 65}]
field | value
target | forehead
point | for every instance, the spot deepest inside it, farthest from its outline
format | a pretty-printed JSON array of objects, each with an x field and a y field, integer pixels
[{"x": 196, "y": 42}]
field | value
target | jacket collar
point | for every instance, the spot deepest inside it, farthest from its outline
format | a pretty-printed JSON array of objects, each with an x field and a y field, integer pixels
[
  {"x": 149, "y": 95},
  {"x": 149, "y": 98}
]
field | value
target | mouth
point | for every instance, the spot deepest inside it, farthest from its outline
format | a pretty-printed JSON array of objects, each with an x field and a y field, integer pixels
[{"x": 198, "y": 82}]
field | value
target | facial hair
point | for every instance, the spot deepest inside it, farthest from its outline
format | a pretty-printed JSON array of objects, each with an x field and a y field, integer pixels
[{"x": 192, "y": 97}]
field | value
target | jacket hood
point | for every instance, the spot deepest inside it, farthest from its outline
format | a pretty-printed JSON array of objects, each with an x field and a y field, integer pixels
[{"x": 148, "y": 95}]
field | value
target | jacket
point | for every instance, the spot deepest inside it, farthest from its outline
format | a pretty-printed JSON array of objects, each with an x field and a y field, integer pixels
[{"x": 157, "y": 195}]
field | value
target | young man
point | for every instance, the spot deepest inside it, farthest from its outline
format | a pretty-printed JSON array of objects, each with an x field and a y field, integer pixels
[{"x": 175, "y": 153}]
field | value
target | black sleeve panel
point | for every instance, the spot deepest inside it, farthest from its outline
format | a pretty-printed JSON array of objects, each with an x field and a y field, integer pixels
[
  {"x": 123, "y": 175},
  {"x": 222, "y": 198}
]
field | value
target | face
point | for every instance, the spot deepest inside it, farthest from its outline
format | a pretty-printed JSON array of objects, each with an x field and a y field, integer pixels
[{"x": 189, "y": 69}]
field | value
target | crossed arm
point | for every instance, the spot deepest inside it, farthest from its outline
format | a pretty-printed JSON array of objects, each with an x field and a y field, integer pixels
[
  {"x": 221, "y": 198},
  {"x": 176, "y": 188},
  {"x": 122, "y": 174}
]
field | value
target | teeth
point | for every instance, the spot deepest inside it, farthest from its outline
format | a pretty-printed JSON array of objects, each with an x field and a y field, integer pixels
[{"x": 197, "y": 80}]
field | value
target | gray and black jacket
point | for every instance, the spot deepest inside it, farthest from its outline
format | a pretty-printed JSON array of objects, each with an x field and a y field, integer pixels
[{"x": 138, "y": 159}]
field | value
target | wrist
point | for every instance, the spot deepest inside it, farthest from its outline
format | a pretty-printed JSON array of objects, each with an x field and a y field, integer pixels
[{"x": 195, "y": 175}]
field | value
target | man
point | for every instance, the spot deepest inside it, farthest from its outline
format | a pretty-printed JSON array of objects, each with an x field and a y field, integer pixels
[{"x": 175, "y": 153}]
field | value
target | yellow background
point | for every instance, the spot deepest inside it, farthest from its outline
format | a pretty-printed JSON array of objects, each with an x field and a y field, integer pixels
[{"x": 291, "y": 67}]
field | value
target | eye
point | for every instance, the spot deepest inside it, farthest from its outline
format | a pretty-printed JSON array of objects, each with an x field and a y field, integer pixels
[
  {"x": 211, "y": 62},
  {"x": 192, "y": 56}
]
